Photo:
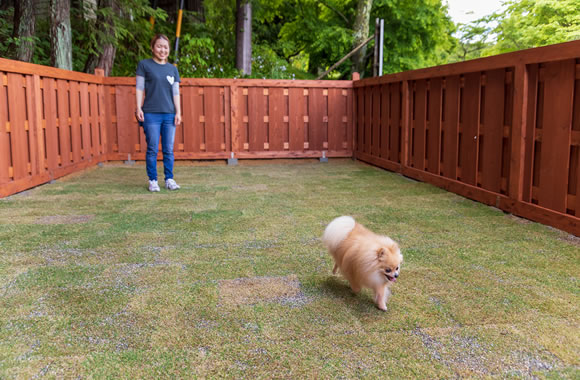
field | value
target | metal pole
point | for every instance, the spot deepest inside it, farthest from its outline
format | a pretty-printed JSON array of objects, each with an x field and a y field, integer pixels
[
  {"x": 381, "y": 47},
  {"x": 376, "y": 49},
  {"x": 178, "y": 31}
]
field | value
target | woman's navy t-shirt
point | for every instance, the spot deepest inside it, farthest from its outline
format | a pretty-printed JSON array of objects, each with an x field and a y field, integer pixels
[{"x": 159, "y": 79}]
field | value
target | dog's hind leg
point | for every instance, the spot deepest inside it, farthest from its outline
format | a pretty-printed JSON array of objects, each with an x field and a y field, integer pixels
[
  {"x": 381, "y": 295},
  {"x": 335, "y": 269}
]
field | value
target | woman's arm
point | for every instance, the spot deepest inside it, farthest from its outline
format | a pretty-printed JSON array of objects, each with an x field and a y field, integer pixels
[
  {"x": 177, "y": 103},
  {"x": 140, "y": 89}
]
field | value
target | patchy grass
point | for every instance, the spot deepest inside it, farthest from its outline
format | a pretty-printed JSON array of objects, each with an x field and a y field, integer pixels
[{"x": 228, "y": 278}]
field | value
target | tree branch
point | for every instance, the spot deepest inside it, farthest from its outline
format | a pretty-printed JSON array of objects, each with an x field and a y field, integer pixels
[{"x": 335, "y": 11}]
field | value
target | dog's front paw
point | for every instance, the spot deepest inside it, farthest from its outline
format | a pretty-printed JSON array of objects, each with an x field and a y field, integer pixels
[{"x": 382, "y": 307}]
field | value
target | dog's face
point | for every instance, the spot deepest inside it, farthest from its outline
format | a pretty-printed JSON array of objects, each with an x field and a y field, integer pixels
[{"x": 390, "y": 259}]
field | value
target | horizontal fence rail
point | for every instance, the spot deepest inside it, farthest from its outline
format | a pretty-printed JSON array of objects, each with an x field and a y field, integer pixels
[{"x": 502, "y": 130}]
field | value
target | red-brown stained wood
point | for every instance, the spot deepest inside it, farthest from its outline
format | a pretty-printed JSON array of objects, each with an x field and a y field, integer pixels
[
  {"x": 385, "y": 121},
  {"x": 126, "y": 125},
  {"x": 297, "y": 111},
  {"x": 434, "y": 127},
  {"x": 4, "y": 136},
  {"x": 395, "y": 122},
  {"x": 376, "y": 121},
  {"x": 349, "y": 125},
  {"x": 235, "y": 119},
  {"x": 492, "y": 130},
  {"x": 368, "y": 132},
  {"x": 214, "y": 126},
  {"x": 575, "y": 174},
  {"x": 276, "y": 125},
  {"x": 470, "y": 130},
  {"x": 50, "y": 132},
  {"x": 530, "y": 125},
  {"x": 93, "y": 114},
  {"x": 419, "y": 124},
  {"x": 337, "y": 109},
  {"x": 256, "y": 126},
  {"x": 18, "y": 134},
  {"x": 558, "y": 97},
  {"x": 451, "y": 127},
  {"x": 75, "y": 131},
  {"x": 316, "y": 112},
  {"x": 360, "y": 122},
  {"x": 63, "y": 122},
  {"x": 35, "y": 129}
]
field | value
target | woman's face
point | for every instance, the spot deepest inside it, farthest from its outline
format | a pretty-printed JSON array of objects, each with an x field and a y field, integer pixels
[{"x": 161, "y": 49}]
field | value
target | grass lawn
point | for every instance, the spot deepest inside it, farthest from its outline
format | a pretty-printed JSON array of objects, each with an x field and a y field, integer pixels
[{"x": 228, "y": 278}]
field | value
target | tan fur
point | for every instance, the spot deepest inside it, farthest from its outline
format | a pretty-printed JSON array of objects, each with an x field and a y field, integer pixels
[{"x": 363, "y": 258}]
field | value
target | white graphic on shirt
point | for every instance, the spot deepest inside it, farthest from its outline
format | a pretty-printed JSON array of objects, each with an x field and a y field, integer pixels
[{"x": 170, "y": 80}]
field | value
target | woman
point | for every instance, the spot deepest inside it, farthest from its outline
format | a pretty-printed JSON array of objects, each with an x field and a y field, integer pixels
[{"x": 159, "y": 109}]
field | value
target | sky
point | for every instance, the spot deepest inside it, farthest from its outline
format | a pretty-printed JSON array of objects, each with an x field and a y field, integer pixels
[{"x": 458, "y": 9}]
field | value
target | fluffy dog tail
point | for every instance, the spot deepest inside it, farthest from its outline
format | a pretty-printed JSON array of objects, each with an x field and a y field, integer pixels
[{"x": 337, "y": 231}]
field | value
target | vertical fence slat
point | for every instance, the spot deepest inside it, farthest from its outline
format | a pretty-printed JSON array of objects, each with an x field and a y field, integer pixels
[
  {"x": 316, "y": 112},
  {"x": 19, "y": 139},
  {"x": 350, "y": 123},
  {"x": 276, "y": 108},
  {"x": 94, "y": 115},
  {"x": 434, "y": 128},
  {"x": 36, "y": 131},
  {"x": 214, "y": 129},
  {"x": 360, "y": 121},
  {"x": 51, "y": 136},
  {"x": 368, "y": 103},
  {"x": 470, "y": 130},
  {"x": 451, "y": 126},
  {"x": 126, "y": 129},
  {"x": 63, "y": 122},
  {"x": 297, "y": 111},
  {"x": 492, "y": 130},
  {"x": 529, "y": 123},
  {"x": 75, "y": 121},
  {"x": 420, "y": 106},
  {"x": 337, "y": 109},
  {"x": 4, "y": 136},
  {"x": 375, "y": 121},
  {"x": 385, "y": 121},
  {"x": 558, "y": 97},
  {"x": 395, "y": 122},
  {"x": 256, "y": 128}
]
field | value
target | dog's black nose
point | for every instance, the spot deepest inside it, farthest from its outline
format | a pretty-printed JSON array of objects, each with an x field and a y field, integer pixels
[{"x": 396, "y": 275}]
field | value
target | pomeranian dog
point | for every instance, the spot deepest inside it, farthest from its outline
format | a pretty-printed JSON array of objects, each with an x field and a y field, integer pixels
[{"x": 364, "y": 258}]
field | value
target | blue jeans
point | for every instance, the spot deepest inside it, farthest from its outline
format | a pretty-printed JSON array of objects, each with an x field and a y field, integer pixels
[{"x": 154, "y": 126}]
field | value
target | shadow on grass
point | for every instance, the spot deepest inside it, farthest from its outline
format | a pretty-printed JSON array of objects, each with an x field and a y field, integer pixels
[{"x": 337, "y": 287}]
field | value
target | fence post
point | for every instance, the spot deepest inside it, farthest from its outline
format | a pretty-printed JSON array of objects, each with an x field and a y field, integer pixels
[
  {"x": 516, "y": 176},
  {"x": 354, "y": 124}
]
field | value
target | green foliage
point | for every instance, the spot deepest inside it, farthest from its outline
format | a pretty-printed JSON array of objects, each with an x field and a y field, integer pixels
[
  {"x": 521, "y": 25},
  {"x": 532, "y": 23}
]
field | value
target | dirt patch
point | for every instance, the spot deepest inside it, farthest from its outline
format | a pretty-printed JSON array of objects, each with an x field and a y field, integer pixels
[
  {"x": 64, "y": 219},
  {"x": 249, "y": 291}
]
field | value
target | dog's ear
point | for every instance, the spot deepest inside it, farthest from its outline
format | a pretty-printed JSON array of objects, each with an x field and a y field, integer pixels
[{"x": 381, "y": 252}]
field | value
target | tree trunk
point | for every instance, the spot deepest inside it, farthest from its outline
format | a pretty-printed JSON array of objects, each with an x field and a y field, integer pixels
[
  {"x": 60, "y": 34},
  {"x": 244, "y": 36},
  {"x": 361, "y": 30},
  {"x": 24, "y": 21},
  {"x": 106, "y": 58}
]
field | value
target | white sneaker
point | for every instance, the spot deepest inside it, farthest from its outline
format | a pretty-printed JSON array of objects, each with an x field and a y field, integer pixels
[
  {"x": 154, "y": 186},
  {"x": 170, "y": 184}
]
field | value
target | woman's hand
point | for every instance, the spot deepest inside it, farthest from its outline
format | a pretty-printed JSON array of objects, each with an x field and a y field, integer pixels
[
  {"x": 177, "y": 119},
  {"x": 139, "y": 115}
]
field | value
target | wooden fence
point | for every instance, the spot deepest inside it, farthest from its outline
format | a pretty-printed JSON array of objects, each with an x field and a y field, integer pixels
[
  {"x": 243, "y": 118},
  {"x": 52, "y": 123},
  {"x": 502, "y": 130}
]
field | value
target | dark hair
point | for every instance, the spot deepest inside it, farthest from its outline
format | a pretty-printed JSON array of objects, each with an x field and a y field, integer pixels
[{"x": 158, "y": 37}]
